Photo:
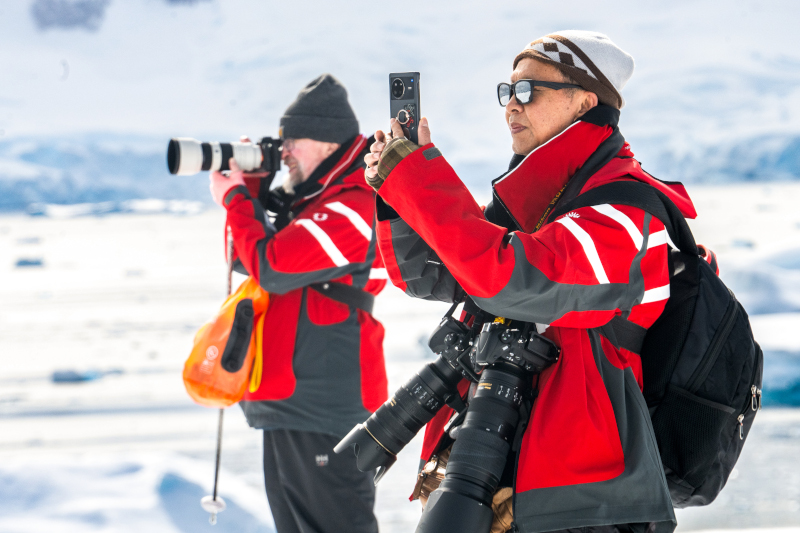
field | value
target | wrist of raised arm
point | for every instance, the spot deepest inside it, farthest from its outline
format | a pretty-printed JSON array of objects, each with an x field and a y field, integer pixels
[{"x": 235, "y": 196}]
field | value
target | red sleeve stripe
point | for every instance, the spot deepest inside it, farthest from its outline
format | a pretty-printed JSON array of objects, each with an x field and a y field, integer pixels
[
  {"x": 378, "y": 273},
  {"x": 588, "y": 246},
  {"x": 359, "y": 223},
  {"x": 656, "y": 295},
  {"x": 623, "y": 219},
  {"x": 325, "y": 241}
]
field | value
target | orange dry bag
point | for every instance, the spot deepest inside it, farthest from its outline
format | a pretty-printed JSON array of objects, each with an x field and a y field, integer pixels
[{"x": 218, "y": 369}]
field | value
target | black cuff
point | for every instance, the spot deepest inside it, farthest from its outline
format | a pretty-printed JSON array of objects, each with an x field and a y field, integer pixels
[
  {"x": 384, "y": 210},
  {"x": 231, "y": 194}
]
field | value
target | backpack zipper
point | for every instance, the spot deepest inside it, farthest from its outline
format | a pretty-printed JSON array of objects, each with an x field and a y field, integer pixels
[
  {"x": 753, "y": 402},
  {"x": 713, "y": 351},
  {"x": 755, "y": 398}
]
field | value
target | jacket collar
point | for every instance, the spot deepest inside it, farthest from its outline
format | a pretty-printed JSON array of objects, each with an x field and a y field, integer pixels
[
  {"x": 335, "y": 166},
  {"x": 587, "y": 154},
  {"x": 533, "y": 185}
]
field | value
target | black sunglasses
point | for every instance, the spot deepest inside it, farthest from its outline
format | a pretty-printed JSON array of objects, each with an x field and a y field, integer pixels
[{"x": 523, "y": 90}]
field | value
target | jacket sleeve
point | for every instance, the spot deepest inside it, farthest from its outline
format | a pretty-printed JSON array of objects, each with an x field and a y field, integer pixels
[
  {"x": 579, "y": 271},
  {"x": 411, "y": 264},
  {"x": 321, "y": 244}
]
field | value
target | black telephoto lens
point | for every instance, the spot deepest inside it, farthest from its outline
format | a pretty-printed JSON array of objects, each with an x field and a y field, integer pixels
[
  {"x": 377, "y": 441},
  {"x": 463, "y": 501}
]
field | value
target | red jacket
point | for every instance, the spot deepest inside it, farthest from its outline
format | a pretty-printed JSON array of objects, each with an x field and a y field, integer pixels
[
  {"x": 588, "y": 456},
  {"x": 322, "y": 362}
]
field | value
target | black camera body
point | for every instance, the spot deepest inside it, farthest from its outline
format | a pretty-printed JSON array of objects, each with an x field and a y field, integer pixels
[{"x": 522, "y": 347}]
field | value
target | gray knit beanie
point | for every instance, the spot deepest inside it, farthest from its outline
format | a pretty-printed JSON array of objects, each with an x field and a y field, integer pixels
[
  {"x": 320, "y": 112},
  {"x": 589, "y": 57}
]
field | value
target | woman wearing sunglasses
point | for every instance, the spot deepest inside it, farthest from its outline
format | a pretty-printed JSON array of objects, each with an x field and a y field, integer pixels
[{"x": 588, "y": 457}]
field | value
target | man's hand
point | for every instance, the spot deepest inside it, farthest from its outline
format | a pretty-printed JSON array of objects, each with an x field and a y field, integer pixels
[
  {"x": 381, "y": 139},
  {"x": 221, "y": 184},
  {"x": 236, "y": 177}
]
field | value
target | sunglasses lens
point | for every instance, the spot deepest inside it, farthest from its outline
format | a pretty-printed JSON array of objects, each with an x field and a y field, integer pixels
[
  {"x": 504, "y": 94},
  {"x": 522, "y": 89}
]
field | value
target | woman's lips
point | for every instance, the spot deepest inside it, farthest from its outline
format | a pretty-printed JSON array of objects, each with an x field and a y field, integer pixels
[{"x": 515, "y": 128}]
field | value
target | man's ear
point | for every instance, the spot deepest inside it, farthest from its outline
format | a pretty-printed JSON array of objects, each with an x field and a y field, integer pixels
[
  {"x": 588, "y": 101},
  {"x": 331, "y": 147}
]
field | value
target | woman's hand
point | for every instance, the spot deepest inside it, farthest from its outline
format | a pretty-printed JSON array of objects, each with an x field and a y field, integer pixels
[{"x": 382, "y": 139}]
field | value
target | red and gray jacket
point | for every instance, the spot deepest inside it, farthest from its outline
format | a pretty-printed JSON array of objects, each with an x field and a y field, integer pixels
[
  {"x": 322, "y": 365},
  {"x": 588, "y": 456}
]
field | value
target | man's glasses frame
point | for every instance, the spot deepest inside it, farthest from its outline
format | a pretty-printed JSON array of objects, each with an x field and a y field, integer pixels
[{"x": 523, "y": 90}]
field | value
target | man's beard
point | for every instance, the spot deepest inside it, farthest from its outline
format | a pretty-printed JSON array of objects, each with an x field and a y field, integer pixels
[{"x": 293, "y": 179}]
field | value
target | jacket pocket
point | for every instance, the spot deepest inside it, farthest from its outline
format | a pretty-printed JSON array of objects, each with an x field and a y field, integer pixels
[{"x": 323, "y": 311}]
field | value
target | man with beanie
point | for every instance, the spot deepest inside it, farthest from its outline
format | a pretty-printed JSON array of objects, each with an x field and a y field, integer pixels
[
  {"x": 311, "y": 244},
  {"x": 590, "y": 277}
]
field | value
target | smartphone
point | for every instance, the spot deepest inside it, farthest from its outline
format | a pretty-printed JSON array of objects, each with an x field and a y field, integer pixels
[{"x": 404, "y": 101}]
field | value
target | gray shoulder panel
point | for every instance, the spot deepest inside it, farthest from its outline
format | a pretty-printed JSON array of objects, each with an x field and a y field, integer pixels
[
  {"x": 283, "y": 282},
  {"x": 425, "y": 275}
]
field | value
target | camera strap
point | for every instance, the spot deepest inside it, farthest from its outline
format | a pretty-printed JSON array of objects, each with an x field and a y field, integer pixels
[{"x": 346, "y": 294}]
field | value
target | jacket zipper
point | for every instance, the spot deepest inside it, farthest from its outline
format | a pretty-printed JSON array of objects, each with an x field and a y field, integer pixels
[{"x": 713, "y": 351}]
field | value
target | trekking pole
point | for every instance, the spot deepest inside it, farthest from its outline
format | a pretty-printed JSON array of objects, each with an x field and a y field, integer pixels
[{"x": 213, "y": 504}]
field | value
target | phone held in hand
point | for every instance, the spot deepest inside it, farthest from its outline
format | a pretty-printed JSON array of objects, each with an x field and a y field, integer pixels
[{"x": 404, "y": 101}]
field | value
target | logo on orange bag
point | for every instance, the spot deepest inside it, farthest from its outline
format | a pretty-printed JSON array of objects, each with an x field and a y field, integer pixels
[{"x": 207, "y": 366}]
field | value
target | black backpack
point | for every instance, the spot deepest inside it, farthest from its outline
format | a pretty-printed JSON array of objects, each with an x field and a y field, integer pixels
[{"x": 701, "y": 366}]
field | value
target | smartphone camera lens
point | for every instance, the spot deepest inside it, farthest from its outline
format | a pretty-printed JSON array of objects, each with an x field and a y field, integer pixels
[{"x": 398, "y": 88}]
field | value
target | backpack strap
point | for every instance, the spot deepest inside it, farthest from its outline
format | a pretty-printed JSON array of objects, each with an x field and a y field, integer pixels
[
  {"x": 624, "y": 334},
  {"x": 346, "y": 294},
  {"x": 645, "y": 197}
]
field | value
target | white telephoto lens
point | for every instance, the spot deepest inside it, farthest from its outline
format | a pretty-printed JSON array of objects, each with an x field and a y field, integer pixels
[
  {"x": 247, "y": 155},
  {"x": 185, "y": 156},
  {"x": 216, "y": 156}
]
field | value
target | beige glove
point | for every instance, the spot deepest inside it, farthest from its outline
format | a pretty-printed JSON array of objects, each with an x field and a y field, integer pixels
[{"x": 503, "y": 510}]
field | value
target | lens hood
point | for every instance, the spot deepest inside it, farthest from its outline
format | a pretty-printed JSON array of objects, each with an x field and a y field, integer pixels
[
  {"x": 369, "y": 453},
  {"x": 451, "y": 512}
]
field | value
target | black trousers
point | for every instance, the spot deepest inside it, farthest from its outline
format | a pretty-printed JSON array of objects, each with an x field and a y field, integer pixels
[{"x": 311, "y": 489}]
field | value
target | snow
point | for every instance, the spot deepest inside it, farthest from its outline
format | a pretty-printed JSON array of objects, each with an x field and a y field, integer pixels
[
  {"x": 134, "y": 493},
  {"x": 121, "y": 296}
]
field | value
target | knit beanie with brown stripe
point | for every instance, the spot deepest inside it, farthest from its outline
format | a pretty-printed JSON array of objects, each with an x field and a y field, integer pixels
[{"x": 588, "y": 57}]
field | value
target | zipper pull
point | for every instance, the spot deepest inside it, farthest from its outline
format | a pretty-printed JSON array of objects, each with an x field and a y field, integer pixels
[
  {"x": 741, "y": 427},
  {"x": 759, "y": 399},
  {"x": 753, "y": 398}
]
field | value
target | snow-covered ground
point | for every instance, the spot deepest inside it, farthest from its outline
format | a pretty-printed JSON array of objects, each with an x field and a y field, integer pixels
[{"x": 122, "y": 295}]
